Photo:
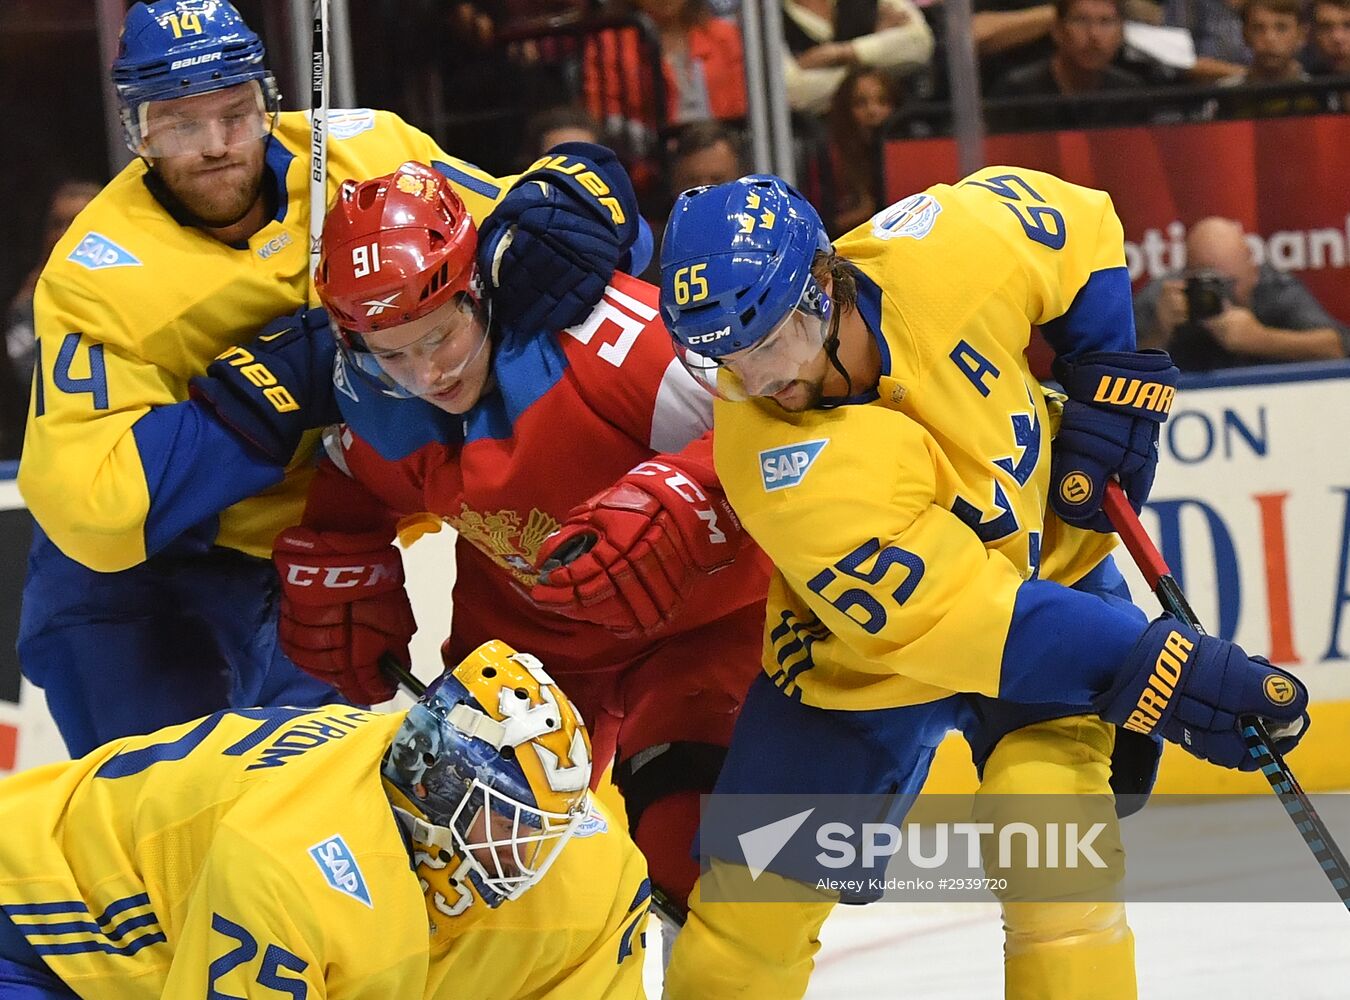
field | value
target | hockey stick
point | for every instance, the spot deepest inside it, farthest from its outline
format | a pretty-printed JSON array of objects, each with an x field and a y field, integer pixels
[
  {"x": 318, "y": 134},
  {"x": 1271, "y": 762},
  {"x": 401, "y": 675}
]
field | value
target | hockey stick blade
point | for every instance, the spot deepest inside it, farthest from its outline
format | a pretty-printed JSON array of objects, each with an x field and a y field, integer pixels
[{"x": 1259, "y": 743}]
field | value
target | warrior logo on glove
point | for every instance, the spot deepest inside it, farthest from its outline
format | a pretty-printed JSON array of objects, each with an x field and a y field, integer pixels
[{"x": 1076, "y": 488}]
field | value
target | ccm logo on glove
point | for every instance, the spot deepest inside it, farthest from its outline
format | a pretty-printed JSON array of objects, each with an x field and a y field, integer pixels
[
  {"x": 260, "y": 375},
  {"x": 341, "y": 577},
  {"x": 1117, "y": 390},
  {"x": 1175, "y": 655},
  {"x": 587, "y": 178},
  {"x": 688, "y": 491}
]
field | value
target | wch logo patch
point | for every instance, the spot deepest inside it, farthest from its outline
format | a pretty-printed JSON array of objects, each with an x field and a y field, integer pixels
[
  {"x": 787, "y": 466},
  {"x": 97, "y": 252},
  {"x": 338, "y": 864}
]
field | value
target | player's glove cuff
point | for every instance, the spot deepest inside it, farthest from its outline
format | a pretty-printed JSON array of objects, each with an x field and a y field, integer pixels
[
  {"x": 1138, "y": 383},
  {"x": 272, "y": 390},
  {"x": 553, "y": 243},
  {"x": 1194, "y": 690}
]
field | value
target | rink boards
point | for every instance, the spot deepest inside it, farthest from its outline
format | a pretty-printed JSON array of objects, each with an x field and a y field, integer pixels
[{"x": 1251, "y": 509}]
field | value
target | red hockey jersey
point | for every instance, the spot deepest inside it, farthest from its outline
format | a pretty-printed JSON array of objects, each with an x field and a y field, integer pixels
[{"x": 568, "y": 415}]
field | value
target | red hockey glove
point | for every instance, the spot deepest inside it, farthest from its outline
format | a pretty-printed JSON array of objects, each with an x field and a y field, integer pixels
[
  {"x": 625, "y": 557},
  {"x": 342, "y": 605}
]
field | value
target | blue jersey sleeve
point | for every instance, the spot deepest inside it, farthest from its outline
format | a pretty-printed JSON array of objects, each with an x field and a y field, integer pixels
[
  {"x": 194, "y": 469},
  {"x": 1101, "y": 317},
  {"x": 1065, "y": 645}
]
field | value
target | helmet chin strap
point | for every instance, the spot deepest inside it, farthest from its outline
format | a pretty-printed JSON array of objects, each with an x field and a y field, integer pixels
[
  {"x": 832, "y": 352},
  {"x": 423, "y": 832}
]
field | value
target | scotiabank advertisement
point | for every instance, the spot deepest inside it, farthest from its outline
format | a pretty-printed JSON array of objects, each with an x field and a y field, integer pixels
[{"x": 1287, "y": 180}]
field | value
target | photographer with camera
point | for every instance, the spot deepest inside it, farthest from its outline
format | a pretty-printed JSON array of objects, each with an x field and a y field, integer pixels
[{"x": 1225, "y": 311}]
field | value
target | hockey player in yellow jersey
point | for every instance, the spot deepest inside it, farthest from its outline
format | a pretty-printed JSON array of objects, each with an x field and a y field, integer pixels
[
  {"x": 882, "y": 438},
  {"x": 450, "y": 851},
  {"x": 156, "y": 511}
]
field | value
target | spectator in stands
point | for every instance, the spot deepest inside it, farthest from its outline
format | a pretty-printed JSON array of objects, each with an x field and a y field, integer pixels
[
  {"x": 1236, "y": 311},
  {"x": 1216, "y": 28},
  {"x": 706, "y": 152},
  {"x": 699, "y": 153},
  {"x": 1087, "y": 37},
  {"x": 1330, "y": 50},
  {"x": 16, "y": 369},
  {"x": 547, "y": 128},
  {"x": 827, "y": 38},
  {"x": 1010, "y": 34},
  {"x": 861, "y": 106},
  {"x": 1275, "y": 31},
  {"x": 702, "y": 68}
]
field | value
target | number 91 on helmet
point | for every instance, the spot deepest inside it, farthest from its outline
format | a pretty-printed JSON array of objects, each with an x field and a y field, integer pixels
[
  {"x": 491, "y": 768},
  {"x": 737, "y": 293},
  {"x": 398, "y": 278}
]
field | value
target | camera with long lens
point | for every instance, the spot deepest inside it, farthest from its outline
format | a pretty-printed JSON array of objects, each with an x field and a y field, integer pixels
[{"x": 1207, "y": 292}]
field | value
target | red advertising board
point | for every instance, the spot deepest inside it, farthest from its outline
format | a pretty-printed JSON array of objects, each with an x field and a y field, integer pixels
[{"x": 1287, "y": 180}]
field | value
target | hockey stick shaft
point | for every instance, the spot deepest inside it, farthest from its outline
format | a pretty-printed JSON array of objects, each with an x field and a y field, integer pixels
[
  {"x": 401, "y": 675},
  {"x": 1271, "y": 762},
  {"x": 318, "y": 134}
]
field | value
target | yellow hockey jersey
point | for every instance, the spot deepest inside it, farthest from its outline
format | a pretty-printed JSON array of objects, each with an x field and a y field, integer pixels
[
  {"x": 132, "y": 304},
  {"x": 903, "y": 526},
  {"x": 255, "y": 854}
]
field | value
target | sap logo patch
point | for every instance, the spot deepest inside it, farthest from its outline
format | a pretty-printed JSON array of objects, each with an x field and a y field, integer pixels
[
  {"x": 593, "y": 823},
  {"x": 913, "y": 217},
  {"x": 350, "y": 123},
  {"x": 787, "y": 466},
  {"x": 97, "y": 252},
  {"x": 339, "y": 868}
]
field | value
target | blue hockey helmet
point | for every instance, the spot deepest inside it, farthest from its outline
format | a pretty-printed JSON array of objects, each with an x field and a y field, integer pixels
[
  {"x": 492, "y": 768},
  {"x": 181, "y": 48},
  {"x": 735, "y": 261}
]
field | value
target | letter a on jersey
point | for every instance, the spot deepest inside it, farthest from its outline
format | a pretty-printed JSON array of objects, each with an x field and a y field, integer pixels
[{"x": 787, "y": 466}]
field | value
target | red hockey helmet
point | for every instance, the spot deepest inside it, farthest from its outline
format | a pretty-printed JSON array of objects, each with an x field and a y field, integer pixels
[{"x": 395, "y": 249}]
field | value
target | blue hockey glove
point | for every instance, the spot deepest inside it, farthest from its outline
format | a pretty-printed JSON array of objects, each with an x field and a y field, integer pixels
[
  {"x": 551, "y": 246},
  {"x": 1192, "y": 689},
  {"x": 1117, "y": 401},
  {"x": 272, "y": 390}
]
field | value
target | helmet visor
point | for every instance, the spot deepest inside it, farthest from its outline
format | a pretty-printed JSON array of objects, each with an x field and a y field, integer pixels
[
  {"x": 510, "y": 844},
  {"x": 775, "y": 362},
  {"x": 191, "y": 126},
  {"x": 418, "y": 358}
]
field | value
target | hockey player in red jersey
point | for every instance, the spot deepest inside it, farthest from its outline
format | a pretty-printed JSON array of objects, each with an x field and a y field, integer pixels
[{"x": 576, "y": 467}]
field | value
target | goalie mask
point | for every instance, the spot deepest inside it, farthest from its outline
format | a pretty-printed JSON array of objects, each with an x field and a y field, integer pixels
[{"x": 495, "y": 764}]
